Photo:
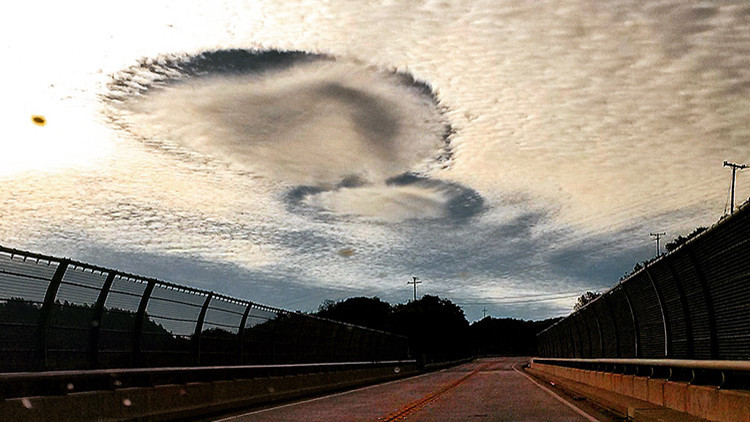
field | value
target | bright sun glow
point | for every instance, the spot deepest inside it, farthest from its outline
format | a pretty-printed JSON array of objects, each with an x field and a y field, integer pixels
[{"x": 61, "y": 141}]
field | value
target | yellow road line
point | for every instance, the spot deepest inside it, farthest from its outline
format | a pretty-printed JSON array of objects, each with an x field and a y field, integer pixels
[
  {"x": 414, "y": 406},
  {"x": 302, "y": 402}
]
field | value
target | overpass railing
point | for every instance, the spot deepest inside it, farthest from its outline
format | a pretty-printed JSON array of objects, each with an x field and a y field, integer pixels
[
  {"x": 693, "y": 303},
  {"x": 59, "y": 314},
  {"x": 720, "y": 373},
  {"x": 59, "y": 383}
]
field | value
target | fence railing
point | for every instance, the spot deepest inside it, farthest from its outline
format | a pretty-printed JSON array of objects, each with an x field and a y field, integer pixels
[
  {"x": 727, "y": 374},
  {"x": 693, "y": 303},
  {"x": 58, "y": 314}
]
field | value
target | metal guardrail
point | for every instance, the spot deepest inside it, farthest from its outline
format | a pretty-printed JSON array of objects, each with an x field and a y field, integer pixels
[
  {"x": 54, "y": 383},
  {"x": 721, "y": 373},
  {"x": 59, "y": 314},
  {"x": 713, "y": 365},
  {"x": 693, "y": 303}
]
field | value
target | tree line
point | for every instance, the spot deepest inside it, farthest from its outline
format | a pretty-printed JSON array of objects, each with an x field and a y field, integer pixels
[{"x": 437, "y": 328}]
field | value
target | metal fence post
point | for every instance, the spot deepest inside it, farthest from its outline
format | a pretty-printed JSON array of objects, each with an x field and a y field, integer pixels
[
  {"x": 274, "y": 337},
  {"x": 714, "y": 344},
  {"x": 663, "y": 309},
  {"x": 636, "y": 333},
  {"x": 196, "y": 340},
  {"x": 577, "y": 326},
  {"x": 614, "y": 323},
  {"x": 332, "y": 353},
  {"x": 554, "y": 344},
  {"x": 588, "y": 351},
  {"x": 350, "y": 341},
  {"x": 45, "y": 313},
  {"x": 96, "y": 322},
  {"x": 599, "y": 330},
  {"x": 562, "y": 341},
  {"x": 140, "y": 317},
  {"x": 241, "y": 334},
  {"x": 571, "y": 340},
  {"x": 685, "y": 310}
]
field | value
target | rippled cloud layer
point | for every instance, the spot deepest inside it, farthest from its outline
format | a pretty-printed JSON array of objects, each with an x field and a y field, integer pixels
[{"x": 511, "y": 154}]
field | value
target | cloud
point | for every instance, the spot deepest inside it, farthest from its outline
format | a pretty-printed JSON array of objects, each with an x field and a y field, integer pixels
[
  {"x": 338, "y": 130},
  {"x": 579, "y": 129},
  {"x": 287, "y": 116},
  {"x": 400, "y": 198}
]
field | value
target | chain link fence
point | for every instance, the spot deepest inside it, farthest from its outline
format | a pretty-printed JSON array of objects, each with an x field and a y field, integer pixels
[{"x": 58, "y": 314}]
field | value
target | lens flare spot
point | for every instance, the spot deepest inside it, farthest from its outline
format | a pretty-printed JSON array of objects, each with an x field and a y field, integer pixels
[{"x": 39, "y": 120}]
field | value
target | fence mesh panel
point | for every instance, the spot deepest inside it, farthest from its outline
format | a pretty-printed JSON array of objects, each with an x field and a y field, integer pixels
[
  {"x": 693, "y": 303},
  {"x": 56, "y": 314}
]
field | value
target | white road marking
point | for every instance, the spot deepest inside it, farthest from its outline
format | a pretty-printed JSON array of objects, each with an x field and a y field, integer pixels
[
  {"x": 560, "y": 399},
  {"x": 343, "y": 393}
]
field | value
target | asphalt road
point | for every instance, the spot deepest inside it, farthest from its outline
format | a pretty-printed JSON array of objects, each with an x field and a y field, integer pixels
[{"x": 492, "y": 389}]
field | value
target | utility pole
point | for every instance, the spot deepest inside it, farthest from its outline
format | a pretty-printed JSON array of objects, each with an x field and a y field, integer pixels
[
  {"x": 658, "y": 236},
  {"x": 734, "y": 167},
  {"x": 484, "y": 313},
  {"x": 414, "y": 281}
]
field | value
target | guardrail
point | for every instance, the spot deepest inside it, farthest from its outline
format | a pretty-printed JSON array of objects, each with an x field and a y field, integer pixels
[
  {"x": 57, "y": 383},
  {"x": 158, "y": 394},
  {"x": 720, "y": 373},
  {"x": 638, "y": 389},
  {"x": 59, "y": 314},
  {"x": 693, "y": 303}
]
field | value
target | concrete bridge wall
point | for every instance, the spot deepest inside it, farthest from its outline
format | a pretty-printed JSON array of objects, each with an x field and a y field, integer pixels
[
  {"x": 192, "y": 399},
  {"x": 708, "y": 402}
]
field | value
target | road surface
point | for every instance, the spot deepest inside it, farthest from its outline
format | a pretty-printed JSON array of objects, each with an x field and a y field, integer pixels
[{"x": 493, "y": 389}]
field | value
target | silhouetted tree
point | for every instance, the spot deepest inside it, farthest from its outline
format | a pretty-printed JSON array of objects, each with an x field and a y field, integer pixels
[
  {"x": 585, "y": 298},
  {"x": 362, "y": 311},
  {"x": 69, "y": 330},
  {"x": 507, "y": 336},
  {"x": 676, "y": 243},
  {"x": 437, "y": 328}
]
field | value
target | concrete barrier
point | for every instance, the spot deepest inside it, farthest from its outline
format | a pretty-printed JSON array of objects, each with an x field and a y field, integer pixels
[
  {"x": 701, "y": 401},
  {"x": 165, "y": 402}
]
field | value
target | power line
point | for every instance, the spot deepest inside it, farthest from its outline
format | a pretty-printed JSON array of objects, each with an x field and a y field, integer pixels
[
  {"x": 734, "y": 167},
  {"x": 529, "y": 298},
  {"x": 517, "y": 302},
  {"x": 414, "y": 281},
  {"x": 544, "y": 295},
  {"x": 658, "y": 236}
]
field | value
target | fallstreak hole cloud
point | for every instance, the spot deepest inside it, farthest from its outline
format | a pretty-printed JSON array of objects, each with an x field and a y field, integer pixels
[{"x": 337, "y": 129}]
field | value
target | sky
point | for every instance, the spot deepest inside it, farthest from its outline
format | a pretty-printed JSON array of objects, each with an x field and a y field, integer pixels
[{"x": 510, "y": 154}]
